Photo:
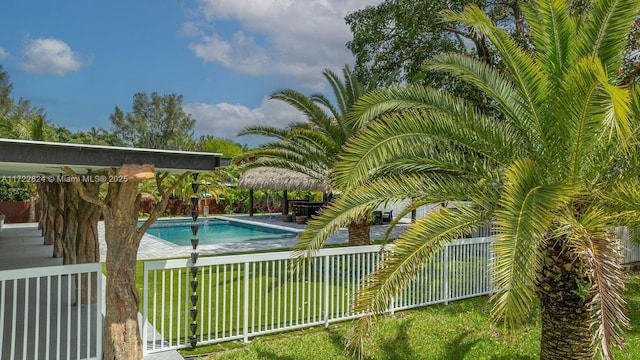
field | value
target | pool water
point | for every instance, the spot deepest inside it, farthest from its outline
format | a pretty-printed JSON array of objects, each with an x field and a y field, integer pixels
[{"x": 214, "y": 231}]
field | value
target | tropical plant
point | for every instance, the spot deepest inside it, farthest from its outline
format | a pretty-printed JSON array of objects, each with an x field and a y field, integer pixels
[
  {"x": 13, "y": 190},
  {"x": 556, "y": 171},
  {"x": 312, "y": 147},
  {"x": 211, "y": 185}
]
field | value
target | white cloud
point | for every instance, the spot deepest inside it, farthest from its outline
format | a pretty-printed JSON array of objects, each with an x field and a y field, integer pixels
[
  {"x": 296, "y": 38},
  {"x": 293, "y": 37},
  {"x": 3, "y": 53},
  {"x": 242, "y": 54},
  {"x": 51, "y": 56},
  {"x": 226, "y": 120}
]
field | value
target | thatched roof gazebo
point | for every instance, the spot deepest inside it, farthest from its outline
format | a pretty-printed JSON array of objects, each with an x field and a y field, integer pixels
[{"x": 272, "y": 178}]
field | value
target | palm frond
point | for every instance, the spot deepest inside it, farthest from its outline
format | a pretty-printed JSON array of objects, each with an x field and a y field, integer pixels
[
  {"x": 411, "y": 251},
  {"x": 524, "y": 73},
  {"x": 415, "y": 129},
  {"x": 624, "y": 200},
  {"x": 525, "y": 212},
  {"x": 604, "y": 35},
  {"x": 267, "y": 131},
  {"x": 379, "y": 102},
  {"x": 599, "y": 248},
  {"x": 484, "y": 77},
  {"x": 339, "y": 91},
  {"x": 357, "y": 202},
  {"x": 552, "y": 30},
  {"x": 584, "y": 117},
  {"x": 304, "y": 104}
]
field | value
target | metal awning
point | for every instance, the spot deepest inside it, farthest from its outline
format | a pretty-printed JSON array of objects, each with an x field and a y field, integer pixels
[{"x": 22, "y": 157}]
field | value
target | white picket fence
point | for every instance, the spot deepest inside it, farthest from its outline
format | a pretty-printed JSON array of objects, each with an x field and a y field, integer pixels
[
  {"x": 41, "y": 318},
  {"x": 238, "y": 297},
  {"x": 242, "y": 296},
  {"x": 248, "y": 295}
]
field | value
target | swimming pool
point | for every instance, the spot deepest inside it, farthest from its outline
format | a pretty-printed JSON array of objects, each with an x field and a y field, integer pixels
[{"x": 215, "y": 231}]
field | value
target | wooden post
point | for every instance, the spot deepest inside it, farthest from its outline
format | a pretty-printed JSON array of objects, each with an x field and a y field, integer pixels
[
  {"x": 285, "y": 203},
  {"x": 250, "y": 202}
]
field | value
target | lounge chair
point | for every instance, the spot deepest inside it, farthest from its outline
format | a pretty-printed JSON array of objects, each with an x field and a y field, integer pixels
[{"x": 387, "y": 216}]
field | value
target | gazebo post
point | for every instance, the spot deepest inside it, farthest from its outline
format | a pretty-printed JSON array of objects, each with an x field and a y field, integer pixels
[
  {"x": 250, "y": 202},
  {"x": 285, "y": 203}
]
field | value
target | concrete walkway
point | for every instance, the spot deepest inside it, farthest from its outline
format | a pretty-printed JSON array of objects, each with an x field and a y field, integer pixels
[{"x": 21, "y": 246}]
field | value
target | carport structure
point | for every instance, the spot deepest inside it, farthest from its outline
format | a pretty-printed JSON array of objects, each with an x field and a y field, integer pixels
[{"x": 80, "y": 168}]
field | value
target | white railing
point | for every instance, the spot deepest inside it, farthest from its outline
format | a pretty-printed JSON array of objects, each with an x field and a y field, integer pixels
[
  {"x": 248, "y": 295},
  {"x": 41, "y": 318},
  {"x": 243, "y": 296},
  {"x": 630, "y": 251}
]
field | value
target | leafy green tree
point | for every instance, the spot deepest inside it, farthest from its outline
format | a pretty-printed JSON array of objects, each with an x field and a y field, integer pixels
[
  {"x": 226, "y": 147},
  {"x": 312, "y": 147},
  {"x": 156, "y": 122},
  {"x": 397, "y": 37},
  {"x": 6, "y": 103},
  {"x": 19, "y": 119},
  {"x": 95, "y": 136},
  {"x": 12, "y": 190},
  {"x": 556, "y": 172}
]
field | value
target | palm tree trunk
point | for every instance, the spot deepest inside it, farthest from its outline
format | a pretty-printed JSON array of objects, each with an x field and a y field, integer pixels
[
  {"x": 564, "y": 291},
  {"x": 359, "y": 233}
]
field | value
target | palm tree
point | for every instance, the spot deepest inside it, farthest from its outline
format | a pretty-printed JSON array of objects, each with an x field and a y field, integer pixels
[
  {"x": 312, "y": 147},
  {"x": 556, "y": 170}
]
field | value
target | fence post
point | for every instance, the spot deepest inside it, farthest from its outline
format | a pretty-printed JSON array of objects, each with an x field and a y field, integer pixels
[
  {"x": 446, "y": 274},
  {"x": 145, "y": 308},
  {"x": 326, "y": 290},
  {"x": 99, "y": 298},
  {"x": 246, "y": 303}
]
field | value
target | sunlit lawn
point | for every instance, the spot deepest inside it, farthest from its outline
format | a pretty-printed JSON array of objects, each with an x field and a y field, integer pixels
[{"x": 460, "y": 330}]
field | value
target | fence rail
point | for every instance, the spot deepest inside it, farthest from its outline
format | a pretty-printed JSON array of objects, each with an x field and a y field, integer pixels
[
  {"x": 242, "y": 296},
  {"x": 51, "y": 312}
]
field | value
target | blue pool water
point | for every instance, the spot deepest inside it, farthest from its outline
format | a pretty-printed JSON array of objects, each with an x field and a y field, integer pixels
[{"x": 214, "y": 231}]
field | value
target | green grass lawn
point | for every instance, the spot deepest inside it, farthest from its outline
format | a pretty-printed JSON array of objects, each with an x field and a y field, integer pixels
[
  {"x": 460, "y": 330},
  {"x": 267, "y": 296}
]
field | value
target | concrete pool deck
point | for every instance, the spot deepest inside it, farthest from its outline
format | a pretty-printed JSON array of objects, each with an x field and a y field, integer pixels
[{"x": 152, "y": 247}]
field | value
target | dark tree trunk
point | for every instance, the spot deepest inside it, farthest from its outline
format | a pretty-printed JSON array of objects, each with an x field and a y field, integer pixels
[
  {"x": 43, "y": 207},
  {"x": 122, "y": 235},
  {"x": 359, "y": 233},
  {"x": 50, "y": 226},
  {"x": 122, "y": 335},
  {"x": 70, "y": 229},
  {"x": 48, "y": 214},
  {"x": 57, "y": 194},
  {"x": 564, "y": 290},
  {"x": 87, "y": 245}
]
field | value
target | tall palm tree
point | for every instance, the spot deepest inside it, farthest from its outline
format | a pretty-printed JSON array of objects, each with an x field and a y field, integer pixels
[
  {"x": 312, "y": 147},
  {"x": 556, "y": 170}
]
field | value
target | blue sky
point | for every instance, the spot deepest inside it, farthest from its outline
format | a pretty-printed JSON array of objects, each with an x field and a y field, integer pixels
[{"x": 79, "y": 59}]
